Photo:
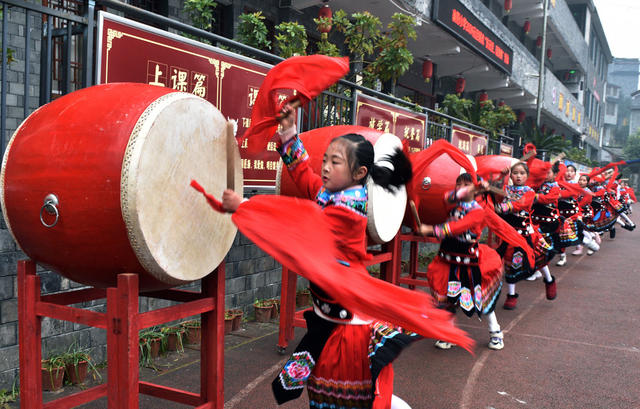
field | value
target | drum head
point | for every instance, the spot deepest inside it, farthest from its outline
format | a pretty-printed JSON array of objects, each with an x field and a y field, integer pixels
[
  {"x": 386, "y": 208},
  {"x": 173, "y": 231}
]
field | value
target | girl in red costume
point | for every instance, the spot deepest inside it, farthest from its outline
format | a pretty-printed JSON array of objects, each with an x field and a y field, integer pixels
[
  {"x": 465, "y": 273},
  {"x": 546, "y": 217},
  {"x": 345, "y": 357},
  {"x": 591, "y": 239},
  {"x": 515, "y": 209}
]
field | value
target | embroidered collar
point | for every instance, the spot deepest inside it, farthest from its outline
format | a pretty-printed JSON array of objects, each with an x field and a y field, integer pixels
[
  {"x": 522, "y": 189},
  {"x": 354, "y": 199}
]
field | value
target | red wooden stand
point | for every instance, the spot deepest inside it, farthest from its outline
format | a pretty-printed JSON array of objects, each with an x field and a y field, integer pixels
[
  {"x": 290, "y": 318},
  {"x": 122, "y": 322},
  {"x": 415, "y": 278}
]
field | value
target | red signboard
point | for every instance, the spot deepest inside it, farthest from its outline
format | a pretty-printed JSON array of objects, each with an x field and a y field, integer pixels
[
  {"x": 403, "y": 123},
  {"x": 468, "y": 141},
  {"x": 506, "y": 150},
  {"x": 132, "y": 52}
]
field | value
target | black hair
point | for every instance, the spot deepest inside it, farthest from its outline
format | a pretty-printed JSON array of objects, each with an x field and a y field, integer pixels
[
  {"x": 571, "y": 166},
  {"x": 359, "y": 152},
  {"x": 524, "y": 166},
  {"x": 555, "y": 168},
  {"x": 464, "y": 178},
  {"x": 586, "y": 176},
  {"x": 619, "y": 176}
]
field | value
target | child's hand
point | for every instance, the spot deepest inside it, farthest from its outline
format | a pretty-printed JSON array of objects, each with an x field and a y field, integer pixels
[
  {"x": 426, "y": 230},
  {"x": 483, "y": 186},
  {"x": 506, "y": 171},
  {"x": 288, "y": 117},
  {"x": 230, "y": 200}
]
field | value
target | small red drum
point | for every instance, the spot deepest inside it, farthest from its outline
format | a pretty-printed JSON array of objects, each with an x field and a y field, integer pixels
[
  {"x": 385, "y": 208},
  {"x": 430, "y": 186},
  {"x": 96, "y": 183}
]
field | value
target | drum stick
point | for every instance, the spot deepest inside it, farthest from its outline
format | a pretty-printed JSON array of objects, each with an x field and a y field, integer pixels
[
  {"x": 414, "y": 211},
  {"x": 295, "y": 104},
  {"x": 231, "y": 156}
]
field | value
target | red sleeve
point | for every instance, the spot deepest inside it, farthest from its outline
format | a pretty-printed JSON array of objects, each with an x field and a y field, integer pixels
[
  {"x": 549, "y": 198},
  {"x": 585, "y": 200},
  {"x": 296, "y": 159},
  {"x": 525, "y": 201},
  {"x": 474, "y": 220}
]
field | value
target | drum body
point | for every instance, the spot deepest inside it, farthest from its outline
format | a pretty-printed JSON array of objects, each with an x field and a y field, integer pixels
[
  {"x": 385, "y": 208},
  {"x": 430, "y": 186},
  {"x": 118, "y": 158}
]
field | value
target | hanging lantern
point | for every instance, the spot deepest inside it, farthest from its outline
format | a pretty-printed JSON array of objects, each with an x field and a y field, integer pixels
[
  {"x": 527, "y": 26},
  {"x": 460, "y": 83},
  {"x": 501, "y": 103},
  {"x": 427, "y": 70},
  {"x": 507, "y": 5},
  {"x": 553, "y": 131},
  {"x": 325, "y": 12},
  {"x": 549, "y": 53},
  {"x": 521, "y": 116},
  {"x": 539, "y": 41},
  {"x": 543, "y": 128},
  {"x": 483, "y": 96}
]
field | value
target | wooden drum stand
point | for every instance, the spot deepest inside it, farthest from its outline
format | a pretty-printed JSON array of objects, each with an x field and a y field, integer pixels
[{"x": 122, "y": 322}]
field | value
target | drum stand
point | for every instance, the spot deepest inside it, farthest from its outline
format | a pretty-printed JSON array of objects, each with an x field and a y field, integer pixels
[
  {"x": 290, "y": 318},
  {"x": 415, "y": 278},
  {"x": 122, "y": 322}
]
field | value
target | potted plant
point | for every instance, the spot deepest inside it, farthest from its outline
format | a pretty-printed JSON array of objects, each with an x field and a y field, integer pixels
[
  {"x": 303, "y": 297},
  {"x": 263, "y": 310},
  {"x": 193, "y": 330},
  {"x": 52, "y": 372},
  {"x": 228, "y": 321},
  {"x": 275, "y": 308},
  {"x": 150, "y": 341},
  {"x": 78, "y": 363},
  {"x": 237, "y": 318},
  {"x": 173, "y": 336}
]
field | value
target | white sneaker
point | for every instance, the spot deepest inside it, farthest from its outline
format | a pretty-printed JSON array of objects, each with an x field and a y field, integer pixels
[
  {"x": 592, "y": 246},
  {"x": 577, "y": 251},
  {"x": 496, "y": 340},
  {"x": 590, "y": 252},
  {"x": 563, "y": 260},
  {"x": 534, "y": 276},
  {"x": 443, "y": 344}
]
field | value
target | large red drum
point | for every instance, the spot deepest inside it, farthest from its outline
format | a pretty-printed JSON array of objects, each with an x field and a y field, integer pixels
[
  {"x": 96, "y": 183},
  {"x": 385, "y": 208},
  {"x": 430, "y": 184}
]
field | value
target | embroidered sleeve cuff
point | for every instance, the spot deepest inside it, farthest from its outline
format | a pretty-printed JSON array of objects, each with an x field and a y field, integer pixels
[
  {"x": 504, "y": 207},
  {"x": 441, "y": 230},
  {"x": 293, "y": 152}
]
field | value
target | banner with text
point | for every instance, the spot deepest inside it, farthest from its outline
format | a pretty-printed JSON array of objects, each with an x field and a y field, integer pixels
[
  {"x": 469, "y": 141},
  {"x": 404, "y": 123},
  {"x": 129, "y": 51}
]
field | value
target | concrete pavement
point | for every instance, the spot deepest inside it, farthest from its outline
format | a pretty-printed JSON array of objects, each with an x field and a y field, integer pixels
[{"x": 581, "y": 350}]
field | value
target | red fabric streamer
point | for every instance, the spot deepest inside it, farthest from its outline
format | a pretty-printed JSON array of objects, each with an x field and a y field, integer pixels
[
  {"x": 505, "y": 231},
  {"x": 632, "y": 193},
  {"x": 296, "y": 233},
  {"x": 308, "y": 75}
]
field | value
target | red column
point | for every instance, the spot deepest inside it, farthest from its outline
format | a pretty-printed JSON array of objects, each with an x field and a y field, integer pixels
[
  {"x": 212, "y": 343},
  {"x": 30, "y": 341}
]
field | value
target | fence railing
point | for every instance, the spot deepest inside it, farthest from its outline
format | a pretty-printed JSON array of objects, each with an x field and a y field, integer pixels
[{"x": 64, "y": 41}]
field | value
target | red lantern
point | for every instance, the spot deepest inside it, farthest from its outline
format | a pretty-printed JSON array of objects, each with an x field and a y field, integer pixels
[
  {"x": 483, "y": 96},
  {"x": 427, "y": 70},
  {"x": 325, "y": 12},
  {"x": 549, "y": 53},
  {"x": 543, "y": 128},
  {"x": 521, "y": 116},
  {"x": 460, "y": 83},
  {"x": 553, "y": 131},
  {"x": 507, "y": 5},
  {"x": 527, "y": 26},
  {"x": 539, "y": 41},
  {"x": 501, "y": 103}
]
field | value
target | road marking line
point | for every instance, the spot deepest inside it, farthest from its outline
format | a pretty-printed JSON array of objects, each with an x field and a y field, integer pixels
[
  {"x": 231, "y": 403},
  {"x": 467, "y": 392}
]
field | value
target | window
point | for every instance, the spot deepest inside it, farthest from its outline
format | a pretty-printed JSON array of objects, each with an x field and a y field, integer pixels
[{"x": 611, "y": 108}]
